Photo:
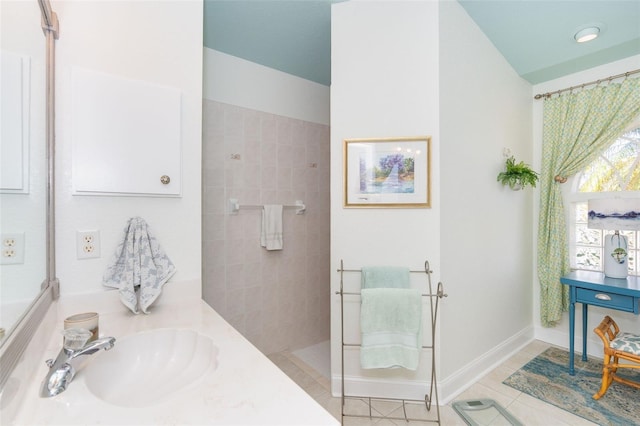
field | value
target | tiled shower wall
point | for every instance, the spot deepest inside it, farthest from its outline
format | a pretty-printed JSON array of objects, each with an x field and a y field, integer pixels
[{"x": 277, "y": 299}]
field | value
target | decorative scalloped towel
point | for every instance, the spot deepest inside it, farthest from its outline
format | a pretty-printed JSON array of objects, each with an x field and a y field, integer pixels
[{"x": 139, "y": 267}]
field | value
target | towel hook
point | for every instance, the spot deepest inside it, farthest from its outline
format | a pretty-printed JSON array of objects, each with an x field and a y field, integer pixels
[{"x": 234, "y": 206}]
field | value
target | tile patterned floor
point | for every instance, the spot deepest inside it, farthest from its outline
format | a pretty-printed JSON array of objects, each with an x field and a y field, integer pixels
[{"x": 530, "y": 411}]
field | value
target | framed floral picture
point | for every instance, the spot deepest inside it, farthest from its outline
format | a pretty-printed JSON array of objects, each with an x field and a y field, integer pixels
[{"x": 387, "y": 172}]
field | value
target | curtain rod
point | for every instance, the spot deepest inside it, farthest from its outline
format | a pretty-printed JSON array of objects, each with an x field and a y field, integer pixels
[{"x": 581, "y": 86}]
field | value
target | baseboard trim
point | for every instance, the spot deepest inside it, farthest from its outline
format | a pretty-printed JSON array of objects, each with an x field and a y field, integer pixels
[
  {"x": 448, "y": 388},
  {"x": 459, "y": 381}
]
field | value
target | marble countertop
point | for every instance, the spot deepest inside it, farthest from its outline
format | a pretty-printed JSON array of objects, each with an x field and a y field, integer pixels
[{"x": 246, "y": 388}]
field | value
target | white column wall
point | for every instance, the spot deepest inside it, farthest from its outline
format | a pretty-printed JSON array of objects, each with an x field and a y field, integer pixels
[
  {"x": 384, "y": 84},
  {"x": 431, "y": 71},
  {"x": 487, "y": 238}
]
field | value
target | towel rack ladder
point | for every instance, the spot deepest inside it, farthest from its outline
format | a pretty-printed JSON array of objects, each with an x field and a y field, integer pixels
[{"x": 432, "y": 395}]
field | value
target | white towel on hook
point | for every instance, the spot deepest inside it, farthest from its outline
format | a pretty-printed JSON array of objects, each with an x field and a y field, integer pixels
[
  {"x": 139, "y": 267},
  {"x": 271, "y": 234}
]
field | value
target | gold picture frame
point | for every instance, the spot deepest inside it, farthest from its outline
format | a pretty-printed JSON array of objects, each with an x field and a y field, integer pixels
[{"x": 387, "y": 172}]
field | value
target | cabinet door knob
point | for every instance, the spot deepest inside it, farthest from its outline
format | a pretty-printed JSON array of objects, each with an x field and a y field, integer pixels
[
  {"x": 601, "y": 296},
  {"x": 165, "y": 179}
]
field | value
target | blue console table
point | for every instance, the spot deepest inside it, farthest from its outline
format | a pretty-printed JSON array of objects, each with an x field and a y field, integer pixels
[{"x": 593, "y": 288}]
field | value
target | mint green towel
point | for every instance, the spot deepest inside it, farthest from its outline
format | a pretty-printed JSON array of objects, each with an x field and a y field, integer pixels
[
  {"x": 385, "y": 276},
  {"x": 391, "y": 327}
]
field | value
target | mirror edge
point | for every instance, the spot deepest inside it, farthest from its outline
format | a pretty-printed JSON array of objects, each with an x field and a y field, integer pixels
[{"x": 16, "y": 343}]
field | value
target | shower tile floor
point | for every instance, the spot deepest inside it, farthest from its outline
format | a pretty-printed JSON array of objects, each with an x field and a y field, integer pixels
[{"x": 530, "y": 411}]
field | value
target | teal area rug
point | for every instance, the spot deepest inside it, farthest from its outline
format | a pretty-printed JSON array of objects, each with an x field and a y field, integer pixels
[{"x": 546, "y": 377}]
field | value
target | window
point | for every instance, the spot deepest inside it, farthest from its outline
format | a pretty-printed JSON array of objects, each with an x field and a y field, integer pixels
[{"x": 615, "y": 171}]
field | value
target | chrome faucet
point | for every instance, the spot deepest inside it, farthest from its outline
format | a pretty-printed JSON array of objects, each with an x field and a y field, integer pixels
[{"x": 62, "y": 370}]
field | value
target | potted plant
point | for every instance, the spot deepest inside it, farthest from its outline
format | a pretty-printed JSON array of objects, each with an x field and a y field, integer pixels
[{"x": 517, "y": 175}]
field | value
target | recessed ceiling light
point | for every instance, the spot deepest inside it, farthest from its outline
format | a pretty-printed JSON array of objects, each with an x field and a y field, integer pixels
[{"x": 587, "y": 34}]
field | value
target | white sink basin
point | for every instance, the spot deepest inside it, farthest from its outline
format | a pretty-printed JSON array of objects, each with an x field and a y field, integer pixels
[{"x": 146, "y": 368}]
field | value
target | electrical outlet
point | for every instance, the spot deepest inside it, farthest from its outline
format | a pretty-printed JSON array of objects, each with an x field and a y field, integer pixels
[
  {"x": 88, "y": 244},
  {"x": 12, "y": 248}
]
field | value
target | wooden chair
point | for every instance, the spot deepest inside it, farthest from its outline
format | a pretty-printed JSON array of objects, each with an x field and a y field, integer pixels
[{"x": 617, "y": 346}]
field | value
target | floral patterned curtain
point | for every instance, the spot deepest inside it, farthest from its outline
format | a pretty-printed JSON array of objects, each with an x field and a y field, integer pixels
[{"x": 577, "y": 127}]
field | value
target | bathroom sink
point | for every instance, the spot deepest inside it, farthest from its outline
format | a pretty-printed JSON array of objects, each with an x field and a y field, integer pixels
[{"x": 148, "y": 367}]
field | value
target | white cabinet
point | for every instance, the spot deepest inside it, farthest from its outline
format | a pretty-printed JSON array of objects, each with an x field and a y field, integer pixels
[{"x": 126, "y": 136}]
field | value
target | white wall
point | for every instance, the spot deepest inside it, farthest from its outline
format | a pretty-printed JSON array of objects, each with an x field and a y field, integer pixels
[
  {"x": 447, "y": 81},
  {"x": 384, "y": 84},
  {"x": 235, "y": 81},
  {"x": 486, "y": 244},
  {"x": 154, "y": 41},
  {"x": 559, "y": 334}
]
